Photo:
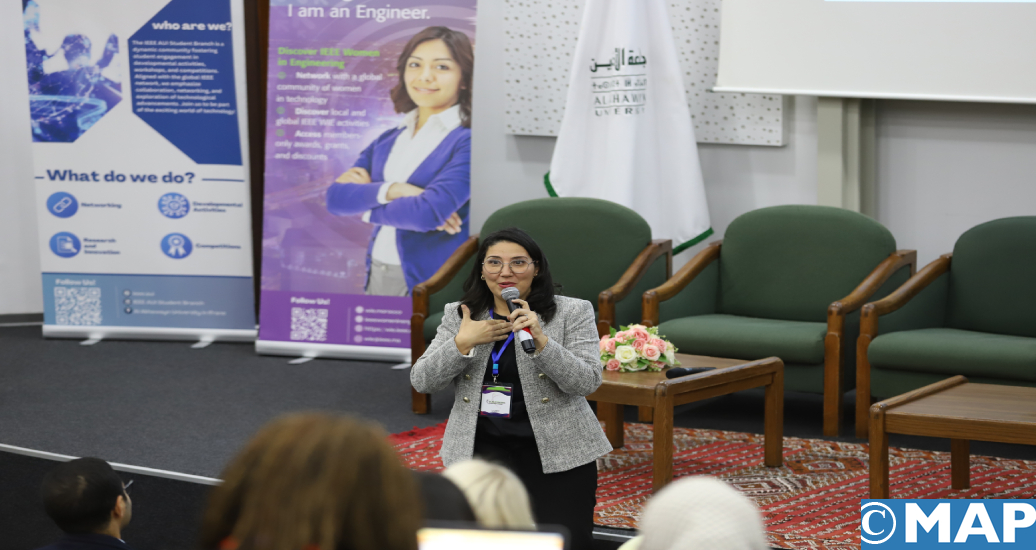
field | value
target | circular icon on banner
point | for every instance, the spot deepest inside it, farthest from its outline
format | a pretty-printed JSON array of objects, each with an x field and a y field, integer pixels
[
  {"x": 174, "y": 205},
  {"x": 64, "y": 244},
  {"x": 177, "y": 246},
  {"x": 62, "y": 205}
]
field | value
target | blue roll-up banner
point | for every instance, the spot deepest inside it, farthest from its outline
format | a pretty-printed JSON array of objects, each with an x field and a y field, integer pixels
[{"x": 141, "y": 167}]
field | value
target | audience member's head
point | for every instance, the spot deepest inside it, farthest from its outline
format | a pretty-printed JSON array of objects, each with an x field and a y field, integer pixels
[
  {"x": 701, "y": 513},
  {"x": 496, "y": 495},
  {"x": 86, "y": 496},
  {"x": 443, "y": 500},
  {"x": 314, "y": 481}
]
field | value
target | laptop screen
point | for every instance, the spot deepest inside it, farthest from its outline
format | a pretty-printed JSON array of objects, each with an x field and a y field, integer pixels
[{"x": 440, "y": 538}]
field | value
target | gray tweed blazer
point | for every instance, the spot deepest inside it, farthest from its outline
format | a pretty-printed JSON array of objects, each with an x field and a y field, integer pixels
[{"x": 555, "y": 381}]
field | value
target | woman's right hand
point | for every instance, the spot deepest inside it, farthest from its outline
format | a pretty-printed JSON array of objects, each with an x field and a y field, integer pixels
[
  {"x": 473, "y": 333},
  {"x": 402, "y": 189},
  {"x": 354, "y": 175}
]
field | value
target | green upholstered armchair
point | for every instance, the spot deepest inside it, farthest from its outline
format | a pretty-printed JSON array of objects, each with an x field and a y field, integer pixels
[
  {"x": 598, "y": 251},
  {"x": 972, "y": 312},
  {"x": 783, "y": 283}
]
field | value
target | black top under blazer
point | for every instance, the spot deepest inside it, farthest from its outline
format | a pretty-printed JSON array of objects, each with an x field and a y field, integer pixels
[{"x": 555, "y": 382}]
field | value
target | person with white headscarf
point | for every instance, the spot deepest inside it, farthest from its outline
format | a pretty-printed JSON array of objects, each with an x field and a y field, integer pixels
[{"x": 699, "y": 513}]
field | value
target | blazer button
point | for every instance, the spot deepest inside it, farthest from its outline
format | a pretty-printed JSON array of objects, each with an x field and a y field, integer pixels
[
  {"x": 543, "y": 375},
  {"x": 466, "y": 400},
  {"x": 545, "y": 399},
  {"x": 467, "y": 377}
]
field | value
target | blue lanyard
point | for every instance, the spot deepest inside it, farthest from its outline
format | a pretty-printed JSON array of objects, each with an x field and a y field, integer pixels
[{"x": 497, "y": 354}]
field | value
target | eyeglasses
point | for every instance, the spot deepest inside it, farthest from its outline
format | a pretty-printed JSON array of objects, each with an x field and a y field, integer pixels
[
  {"x": 518, "y": 265},
  {"x": 125, "y": 487}
]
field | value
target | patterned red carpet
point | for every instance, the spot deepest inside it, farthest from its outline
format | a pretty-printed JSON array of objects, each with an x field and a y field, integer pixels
[{"x": 811, "y": 502}]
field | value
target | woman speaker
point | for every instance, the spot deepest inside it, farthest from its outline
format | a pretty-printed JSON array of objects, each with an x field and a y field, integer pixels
[{"x": 527, "y": 411}]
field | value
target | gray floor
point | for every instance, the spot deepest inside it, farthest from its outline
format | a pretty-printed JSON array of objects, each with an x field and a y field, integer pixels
[{"x": 164, "y": 405}]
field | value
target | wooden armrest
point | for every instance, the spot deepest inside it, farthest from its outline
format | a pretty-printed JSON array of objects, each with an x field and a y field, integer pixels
[
  {"x": 422, "y": 291},
  {"x": 911, "y": 288},
  {"x": 637, "y": 269},
  {"x": 652, "y": 298},
  {"x": 607, "y": 298},
  {"x": 870, "y": 285}
]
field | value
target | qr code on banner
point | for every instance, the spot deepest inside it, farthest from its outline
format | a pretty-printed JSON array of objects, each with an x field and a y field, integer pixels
[
  {"x": 308, "y": 324},
  {"x": 77, "y": 306}
]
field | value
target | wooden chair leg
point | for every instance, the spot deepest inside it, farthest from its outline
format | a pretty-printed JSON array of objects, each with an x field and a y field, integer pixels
[
  {"x": 832, "y": 383},
  {"x": 420, "y": 403},
  {"x": 863, "y": 387},
  {"x": 832, "y": 413}
]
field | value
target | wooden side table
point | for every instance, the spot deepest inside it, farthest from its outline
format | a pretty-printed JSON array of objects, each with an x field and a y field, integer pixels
[
  {"x": 653, "y": 389},
  {"x": 957, "y": 410}
]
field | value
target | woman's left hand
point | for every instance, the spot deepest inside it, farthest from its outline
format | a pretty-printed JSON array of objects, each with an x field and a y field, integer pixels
[{"x": 524, "y": 317}]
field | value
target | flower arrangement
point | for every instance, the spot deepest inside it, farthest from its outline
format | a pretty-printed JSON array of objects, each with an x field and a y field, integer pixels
[{"x": 636, "y": 348}]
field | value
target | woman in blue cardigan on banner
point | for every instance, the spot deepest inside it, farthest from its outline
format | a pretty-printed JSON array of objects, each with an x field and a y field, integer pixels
[{"x": 413, "y": 182}]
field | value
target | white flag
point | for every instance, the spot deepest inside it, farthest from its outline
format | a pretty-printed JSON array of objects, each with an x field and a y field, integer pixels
[{"x": 627, "y": 134}]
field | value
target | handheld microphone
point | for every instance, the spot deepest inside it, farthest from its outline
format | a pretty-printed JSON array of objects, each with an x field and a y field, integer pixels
[
  {"x": 681, "y": 371},
  {"x": 523, "y": 336}
]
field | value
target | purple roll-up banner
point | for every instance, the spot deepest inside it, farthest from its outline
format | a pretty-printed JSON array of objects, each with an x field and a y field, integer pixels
[{"x": 368, "y": 175}]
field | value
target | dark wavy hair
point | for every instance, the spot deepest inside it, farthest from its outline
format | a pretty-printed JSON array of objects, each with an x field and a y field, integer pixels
[
  {"x": 479, "y": 298},
  {"x": 314, "y": 481},
  {"x": 460, "y": 48}
]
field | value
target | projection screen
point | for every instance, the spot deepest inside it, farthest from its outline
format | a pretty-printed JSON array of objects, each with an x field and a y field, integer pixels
[{"x": 936, "y": 50}]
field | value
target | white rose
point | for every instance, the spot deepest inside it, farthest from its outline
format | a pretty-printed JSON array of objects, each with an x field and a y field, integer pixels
[
  {"x": 625, "y": 354},
  {"x": 670, "y": 356}
]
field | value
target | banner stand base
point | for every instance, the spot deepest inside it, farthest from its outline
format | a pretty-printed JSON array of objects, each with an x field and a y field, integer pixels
[
  {"x": 97, "y": 333},
  {"x": 332, "y": 351},
  {"x": 203, "y": 342}
]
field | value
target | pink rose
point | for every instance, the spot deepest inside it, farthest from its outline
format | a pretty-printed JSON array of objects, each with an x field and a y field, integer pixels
[
  {"x": 657, "y": 342},
  {"x": 613, "y": 364},
  {"x": 639, "y": 332},
  {"x": 622, "y": 335},
  {"x": 651, "y": 353},
  {"x": 610, "y": 345},
  {"x": 639, "y": 344}
]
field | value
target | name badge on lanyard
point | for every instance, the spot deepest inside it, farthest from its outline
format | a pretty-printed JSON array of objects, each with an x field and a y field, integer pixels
[{"x": 496, "y": 398}]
